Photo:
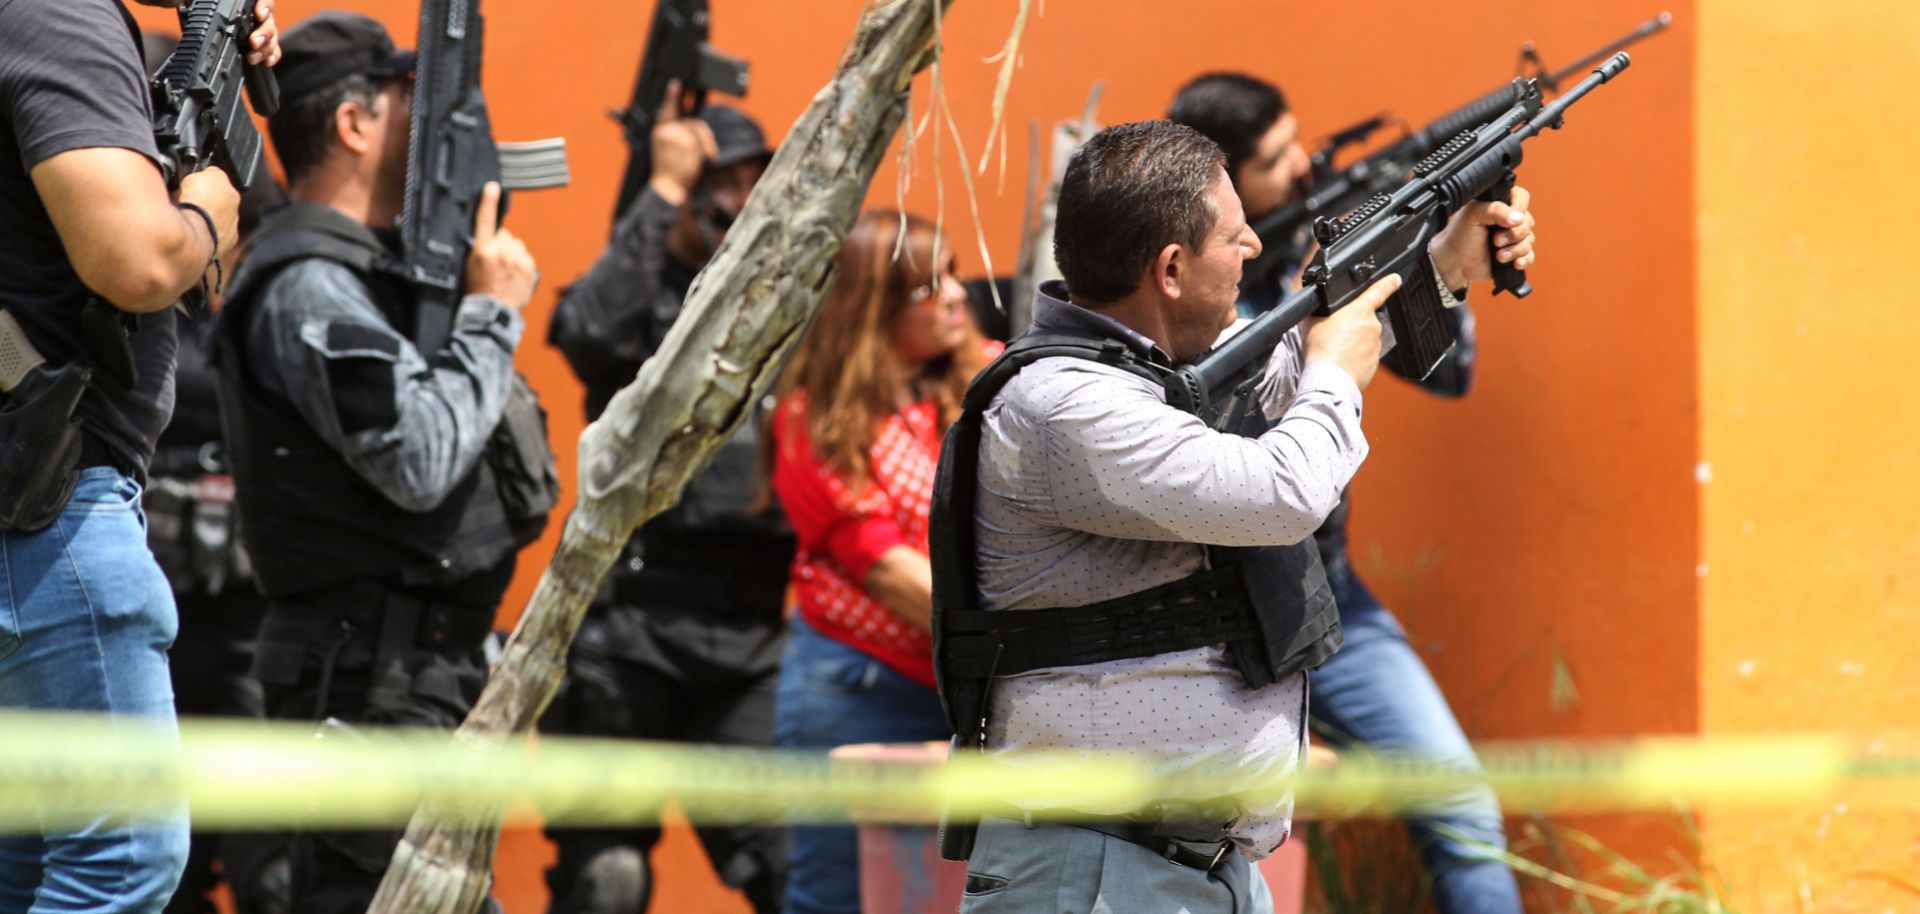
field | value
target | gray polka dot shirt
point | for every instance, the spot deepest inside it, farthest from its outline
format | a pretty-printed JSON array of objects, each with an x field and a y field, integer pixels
[{"x": 1092, "y": 487}]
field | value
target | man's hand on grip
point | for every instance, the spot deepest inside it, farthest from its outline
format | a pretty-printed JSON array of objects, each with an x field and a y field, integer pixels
[
  {"x": 499, "y": 264},
  {"x": 1350, "y": 337},
  {"x": 263, "y": 46},
  {"x": 681, "y": 148},
  {"x": 1461, "y": 249}
]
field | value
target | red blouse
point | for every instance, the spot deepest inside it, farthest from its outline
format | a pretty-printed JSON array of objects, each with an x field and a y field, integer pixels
[{"x": 842, "y": 531}]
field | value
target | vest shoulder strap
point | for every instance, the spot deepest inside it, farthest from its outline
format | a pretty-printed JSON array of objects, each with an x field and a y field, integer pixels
[
  {"x": 298, "y": 232},
  {"x": 1033, "y": 347}
]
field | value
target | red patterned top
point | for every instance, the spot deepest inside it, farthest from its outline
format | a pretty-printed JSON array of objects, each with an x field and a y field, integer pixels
[{"x": 842, "y": 531}]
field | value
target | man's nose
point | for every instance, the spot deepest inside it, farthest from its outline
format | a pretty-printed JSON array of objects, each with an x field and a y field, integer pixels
[
  {"x": 1250, "y": 243},
  {"x": 1302, "y": 165}
]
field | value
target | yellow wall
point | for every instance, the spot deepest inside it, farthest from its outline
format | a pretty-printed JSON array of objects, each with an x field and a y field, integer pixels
[{"x": 1806, "y": 125}]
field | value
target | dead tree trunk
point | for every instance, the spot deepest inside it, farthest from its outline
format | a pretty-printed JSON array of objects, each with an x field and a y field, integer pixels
[{"x": 743, "y": 317}]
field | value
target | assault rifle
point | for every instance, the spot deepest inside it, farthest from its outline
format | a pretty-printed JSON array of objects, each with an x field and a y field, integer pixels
[
  {"x": 1389, "y": 234},
  {"x": 677, "y": 50},
  {"x": 198, "y": 119},
  {"x": 451, "y": 155},
  {"x": 1337, "y": 190}
]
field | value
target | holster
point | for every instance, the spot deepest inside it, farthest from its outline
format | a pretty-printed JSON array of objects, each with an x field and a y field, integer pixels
[
  {"x": 40, "y": 445},
  {"x": 969, "y": 704}
]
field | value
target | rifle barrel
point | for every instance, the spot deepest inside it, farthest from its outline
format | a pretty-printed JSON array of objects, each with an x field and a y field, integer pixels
[
  {"x": 1550, "y": 115},
  {"x": 1645, "y": 29}
]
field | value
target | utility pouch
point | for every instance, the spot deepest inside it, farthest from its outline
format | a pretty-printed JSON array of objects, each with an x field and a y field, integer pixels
[
  {"x": 523, "y": 463},
  {"x": 39, "y": 445}
]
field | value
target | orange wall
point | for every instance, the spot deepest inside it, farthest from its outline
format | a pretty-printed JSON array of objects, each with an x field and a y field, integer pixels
[
  {"x": 1546, "y": 521},
  {"x": 1811, "y": 600}
]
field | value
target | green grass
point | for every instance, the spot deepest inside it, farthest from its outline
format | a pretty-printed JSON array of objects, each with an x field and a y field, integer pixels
[{"x": 1369, "y": 867}]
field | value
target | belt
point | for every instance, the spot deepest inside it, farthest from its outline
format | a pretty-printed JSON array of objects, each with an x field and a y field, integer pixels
[
  {"x": 1204, "y": 848},
  {"x": 701, "y": 589},
  {"x": 395, "y": 617}
]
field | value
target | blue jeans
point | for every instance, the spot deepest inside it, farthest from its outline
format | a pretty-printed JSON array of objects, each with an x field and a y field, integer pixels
[
  {"x": 1017, "y": 868},
  {"x": 1375, "y": 692},
  {"x": 834, "y": 695},
  {"x": 86, "y": 617}
]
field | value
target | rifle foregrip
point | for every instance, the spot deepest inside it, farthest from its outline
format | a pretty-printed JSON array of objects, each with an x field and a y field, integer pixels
[{"x": 1506, "y": 276}]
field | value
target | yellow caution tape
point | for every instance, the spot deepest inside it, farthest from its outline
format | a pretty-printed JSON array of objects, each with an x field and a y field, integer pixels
[{"x": 60, "y": 771}]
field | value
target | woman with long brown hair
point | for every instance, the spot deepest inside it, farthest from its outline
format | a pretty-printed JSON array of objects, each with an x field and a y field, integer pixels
[{"x": 855, "y": 442}]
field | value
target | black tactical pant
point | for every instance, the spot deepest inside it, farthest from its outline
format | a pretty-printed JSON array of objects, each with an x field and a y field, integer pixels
[
  {"x": 674, "y": 673},
  {"x": 211, "y": 663},
  {"x": 318, "y": 664}
]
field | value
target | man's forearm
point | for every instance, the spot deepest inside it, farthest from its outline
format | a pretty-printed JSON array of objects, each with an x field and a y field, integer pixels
[
  {"x": 445, "y": 414},
  {"x": 125, "y": 238},
  {"x": 410, "y": 424}
]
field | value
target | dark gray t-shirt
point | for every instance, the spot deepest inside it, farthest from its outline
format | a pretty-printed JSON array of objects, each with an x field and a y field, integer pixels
[{"x": 71, "y": 77}]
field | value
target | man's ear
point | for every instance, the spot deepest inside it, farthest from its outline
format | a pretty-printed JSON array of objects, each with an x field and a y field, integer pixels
[
  {"x": 1169, "y": 268},
  {"x": 350, "y": 126}
]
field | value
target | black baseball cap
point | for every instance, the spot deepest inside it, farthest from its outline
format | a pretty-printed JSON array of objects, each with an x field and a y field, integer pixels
[
  {"x": 333, "y": 45},
  {"x": 736, "y": 135}
]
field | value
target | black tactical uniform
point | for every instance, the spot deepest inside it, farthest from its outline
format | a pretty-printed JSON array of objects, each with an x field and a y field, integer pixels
[{"x": 370, "y": 497}]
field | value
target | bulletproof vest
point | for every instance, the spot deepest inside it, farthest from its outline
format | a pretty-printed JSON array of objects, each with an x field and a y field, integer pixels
[
  {"x": 307, "y": 519},
  {"x": 1269, "y": 605}
]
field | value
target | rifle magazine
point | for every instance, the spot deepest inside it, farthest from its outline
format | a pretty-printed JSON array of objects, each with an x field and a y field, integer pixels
[
  {"x": 1422, "y": 334},
  {"x": 534, "y": 165}
]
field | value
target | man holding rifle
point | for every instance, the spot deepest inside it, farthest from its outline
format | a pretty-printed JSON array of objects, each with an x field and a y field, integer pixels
[
  {"x": 684, "y": 642},
  {"x": 1375, "y": 692},
  {"x": 1170, "y": 555},
  {"x": 97, "y": 249},
  {"x": 369, "y": 501}
]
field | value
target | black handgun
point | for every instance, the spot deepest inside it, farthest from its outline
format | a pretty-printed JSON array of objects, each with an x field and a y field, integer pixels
[
  {"x": 198, "y": 119},
  {"x": 1388, "y": 234},
  {"x": 450, "y": 157},
  {"x": 677, "y": 50},
  {"x": 1338, "y": 190}
]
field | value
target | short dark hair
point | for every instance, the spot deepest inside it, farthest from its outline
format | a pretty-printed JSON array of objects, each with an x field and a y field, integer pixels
[
  {"x": 1129, "y": 192},
  {"x": 302, "y": 129},
  {"x": 1232, "y": 109}
]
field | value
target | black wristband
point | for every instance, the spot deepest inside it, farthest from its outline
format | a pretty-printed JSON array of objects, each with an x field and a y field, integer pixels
[
  {"x": 205, "y": 289},
  {"x": 213, "y": 234}
]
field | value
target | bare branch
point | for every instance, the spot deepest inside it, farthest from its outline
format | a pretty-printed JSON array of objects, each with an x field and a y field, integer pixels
[{"x": 1009, "y": 57}]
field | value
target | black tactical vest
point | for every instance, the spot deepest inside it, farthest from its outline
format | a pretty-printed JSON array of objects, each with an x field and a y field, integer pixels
[
  {"x": 307, "y": 519},
  {"x": 1269, "y": 605}
]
